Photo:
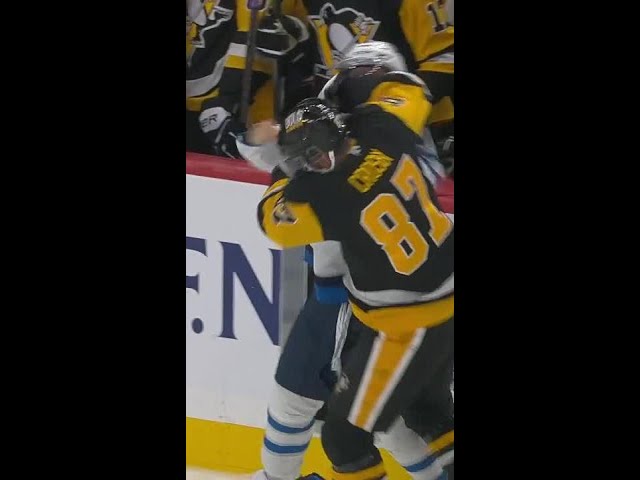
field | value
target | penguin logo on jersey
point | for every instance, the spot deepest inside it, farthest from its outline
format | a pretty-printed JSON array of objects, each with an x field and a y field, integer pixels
[
  {"x": 337, "y": 31},
  {"x": 208, "y": 17}
]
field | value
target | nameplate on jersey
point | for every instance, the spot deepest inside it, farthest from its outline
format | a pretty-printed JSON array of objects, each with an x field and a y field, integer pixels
[{"x": 370, "y": 170}]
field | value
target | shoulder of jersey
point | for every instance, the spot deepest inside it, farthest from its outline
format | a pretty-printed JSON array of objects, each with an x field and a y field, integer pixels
[
  {"x": 300, "y": 188},
  {"x": 407, "y": 79}
]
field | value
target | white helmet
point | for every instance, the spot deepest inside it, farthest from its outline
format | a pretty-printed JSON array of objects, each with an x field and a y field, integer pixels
[{"x": 370, "y": 54}]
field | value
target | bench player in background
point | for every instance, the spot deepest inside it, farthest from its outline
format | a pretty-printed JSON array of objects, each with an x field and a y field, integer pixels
[
  {"x": 418, "y": 28},
  {"x": 219, "y": 112},
  {"x": 216, "y": 52},
  {"x": 210, "y": 28},
  {"x": 402, "y": 443},
  {"x": 398, "y": 250}
]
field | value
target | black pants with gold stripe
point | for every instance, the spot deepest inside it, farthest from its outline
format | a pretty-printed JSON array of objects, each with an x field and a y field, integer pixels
[{"x": 385, "y": 377}]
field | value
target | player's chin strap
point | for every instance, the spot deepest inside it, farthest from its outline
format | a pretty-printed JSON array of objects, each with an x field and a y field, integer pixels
[
  {"x": 332, "y": 157},
  {"x": 342, "y": 327}
]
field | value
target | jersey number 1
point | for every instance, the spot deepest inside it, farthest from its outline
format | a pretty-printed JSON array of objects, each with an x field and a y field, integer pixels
[
  {"x": 387, "y": 221},
  {"x": 433, "y": 8}
]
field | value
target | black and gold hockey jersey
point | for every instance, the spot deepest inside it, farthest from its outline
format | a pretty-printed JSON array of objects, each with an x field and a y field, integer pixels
[
  {"x": 210, "y": 29},
  {"x": 396, "y": 241},
  {"x": 418, "y": 28}
]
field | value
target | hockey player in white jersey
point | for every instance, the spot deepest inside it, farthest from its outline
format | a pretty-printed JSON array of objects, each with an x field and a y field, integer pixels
[{"x": 310, "y": 361}]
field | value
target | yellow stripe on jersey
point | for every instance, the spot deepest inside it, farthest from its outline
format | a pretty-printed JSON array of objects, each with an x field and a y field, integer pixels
[
  {"x": 441, "y": 67},
  {"x": 442, "y": 111},
  {"x": 371, "y": 473},
  {"x": 275, "y": 187},
  {"x": 243, "y": 23},
  {"x": 259, "y": 64},
  {"x": 441, "y": 442},
  {"x": 289, "y": 224},
  {"x": 407, "y": 102},
  {"x": 401, "y": 320},
  {"x": 191, "y": 34},
  {"x": 386, "y": 368},
  {"x": 262, "y": 107}
]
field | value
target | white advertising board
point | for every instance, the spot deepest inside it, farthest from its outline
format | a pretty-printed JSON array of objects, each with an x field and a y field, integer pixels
[{"x": 232, "y": 303}]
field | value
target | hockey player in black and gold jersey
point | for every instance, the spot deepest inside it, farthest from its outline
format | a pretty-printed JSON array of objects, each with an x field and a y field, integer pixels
[
  {"x": 292, "y": 402},
  {"x": 373, "y": 198}
]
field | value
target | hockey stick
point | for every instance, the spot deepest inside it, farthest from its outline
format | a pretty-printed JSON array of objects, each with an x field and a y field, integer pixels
[
  {"x": 254, "y": 6},
  {"x": 278, "y": 77}
]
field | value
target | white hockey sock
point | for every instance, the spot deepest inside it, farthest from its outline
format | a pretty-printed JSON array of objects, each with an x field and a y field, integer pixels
[
  {"x": 410, "y": 451},
  {"x": 288, "y": 433}
]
